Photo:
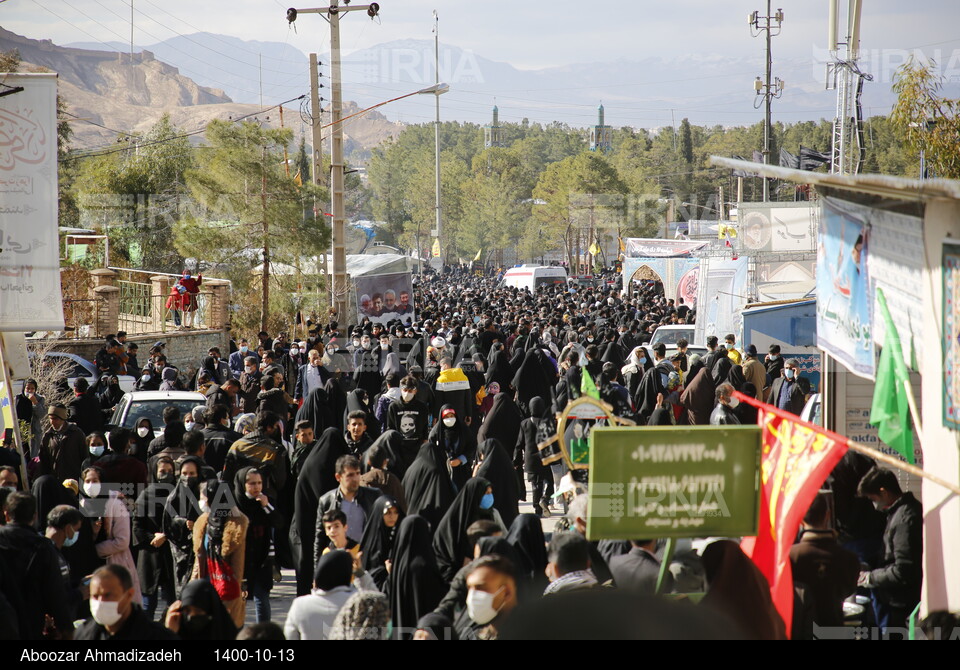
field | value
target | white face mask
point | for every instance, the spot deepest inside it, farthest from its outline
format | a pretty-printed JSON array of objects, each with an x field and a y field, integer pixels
[
  {"x": 384, "y": 345},
  {"x": 97, "y": 450},
  {"x": 189, "y": 425},
  {"x": 450, "y": 421},
  {"x": 204, "y": 506},
  {"x": 250, "y": 369},
  {"x": 733, "y": 403},
  {"x": 105, "y": 612},
  {"x": 143, "y": 431},
  {"x": 92, "y": 489},
  {"x": 145, "y": 378},
  {"x": 480, "y": 606},
  {"x": 294, "y": 351},
  {"x": 407, "y": 395},
  {"x": 356, "y": 343}
]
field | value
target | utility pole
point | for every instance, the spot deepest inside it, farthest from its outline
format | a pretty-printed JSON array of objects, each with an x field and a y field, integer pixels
[
  {"x": 767, "y": 89},
  {"x": 436, "y": 128},
  {"x": 341, "y": 284},
  {"x": 317, "y": 141},
  {"x": 844, "y": 75},
  {"x": 265, "y": 273}
]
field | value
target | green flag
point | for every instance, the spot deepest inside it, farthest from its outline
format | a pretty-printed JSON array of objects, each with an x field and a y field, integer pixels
[
  {"x": 587, "y": 387},
  {"x": 890, "y": 412}
]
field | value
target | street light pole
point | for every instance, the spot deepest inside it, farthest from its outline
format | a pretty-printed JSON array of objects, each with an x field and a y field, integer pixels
[
  {"x": 341, "y": 285},
  {"x": 436, "y": 128},
  {"x": 769, "y": 89}
]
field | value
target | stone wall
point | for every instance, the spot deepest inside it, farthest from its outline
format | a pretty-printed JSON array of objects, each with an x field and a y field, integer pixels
[{"x": 184, "y": 349}]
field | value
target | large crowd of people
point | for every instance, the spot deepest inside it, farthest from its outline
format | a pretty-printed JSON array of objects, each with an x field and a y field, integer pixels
[{"x": 385, "y": 464}]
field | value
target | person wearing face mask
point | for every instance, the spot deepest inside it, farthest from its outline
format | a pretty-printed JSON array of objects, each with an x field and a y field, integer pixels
[
  {"x": 388, "y": 361},
  {"x": 264, "y": 520},
  {"x": 180, "y": 512},
  {"x": 154, "y": 561},
  {"x": 450, "y": 542},
  {"x": 457, "y": 441},
  {"x": 250, "y": 384},
  {"x": 63, "y": 529},
  {"x": 116, "y": 613},
  {"x": 491, "y": 597},
  {"x": 789, "y": 392},
  {"x": 366, "y": 373},
  {"x": 113, "y": 535},
  {"x": 237, "y": 359},
  {"x": 200, "y": 614},
  {"x": 723, "y": 414},
  {"x": 730, "y": 342},
  {"x": 409, "y": 416},
  {"x": 219, "y": 545},
  {"x": 62, "y": 447},
  {"x": 96, "y": 447},
  {"x": 754, "y": 371},
  {"x": 773, "y": 362},
  {"x": 188, "y": 296},
  {"x": 310, "y": 375}
]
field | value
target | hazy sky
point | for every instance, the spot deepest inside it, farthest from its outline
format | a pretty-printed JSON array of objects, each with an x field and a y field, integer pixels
[{"x": 528, "y": 34}]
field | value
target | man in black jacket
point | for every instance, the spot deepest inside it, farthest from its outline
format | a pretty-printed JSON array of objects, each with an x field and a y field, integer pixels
[
  {"x": 84, "y": 409},
  {"x": 789, "y": 392},
  {"x": 639, "y": 569},
  {"x": 34, "y": 586},
  {"x": 355, "y": 501},
  {"x": 115, "y": 615},
  {"x": 895, "y": 585},
  {"x": 218, "y": 436}
]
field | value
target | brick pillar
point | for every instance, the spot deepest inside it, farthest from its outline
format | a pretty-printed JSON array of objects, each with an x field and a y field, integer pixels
[
  {"x": 159, "y": 291},
  {"x": 103, "y": 277},
  {"x": 107, "y": 312},
  {"x": 218, "y": 314}
]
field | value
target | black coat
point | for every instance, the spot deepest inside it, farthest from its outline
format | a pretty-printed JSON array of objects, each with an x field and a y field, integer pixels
[
  {"x": 497, "y": 468},
  {"x": 638, "y": 571},
  {"x": 897, "y": 582},
  {"x": 34, "y": 586},
  {"x": 415, "y": 585},
  {"x": 428, "y": 486},
  {"x": 154, "y": 564},
  {"x": 316, "y": 478},
  {"x": 450, "y": 541},
  {"x": 138, "y": 628}
]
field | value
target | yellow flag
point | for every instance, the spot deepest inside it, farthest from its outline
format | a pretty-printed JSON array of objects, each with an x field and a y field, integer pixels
[
  {"x": 477, "y": 257},
  {"x": 436, "y": 248},
  {"x": 297, "y": 179},
  {"x": 620, "y": 242},
  {"x": 595, "y": 249}
]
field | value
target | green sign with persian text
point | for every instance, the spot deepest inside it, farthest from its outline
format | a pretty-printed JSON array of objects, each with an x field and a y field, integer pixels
[{"x": 694, "y": 481}]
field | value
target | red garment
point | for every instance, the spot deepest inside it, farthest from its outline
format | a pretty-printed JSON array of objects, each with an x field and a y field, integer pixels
[{"x": 186, "y": 301}]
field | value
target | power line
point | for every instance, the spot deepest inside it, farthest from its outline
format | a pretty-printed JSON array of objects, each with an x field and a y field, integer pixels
[{"x": 176, "y": 137}]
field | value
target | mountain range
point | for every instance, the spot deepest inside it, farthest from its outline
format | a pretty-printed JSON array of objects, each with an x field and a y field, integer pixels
[
  {"x": 647, "y": 92},
  {"x": 111, "y": 93}
]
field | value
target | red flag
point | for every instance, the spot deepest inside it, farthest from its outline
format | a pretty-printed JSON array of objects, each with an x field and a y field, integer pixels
[{"x": 796, "y": 458}]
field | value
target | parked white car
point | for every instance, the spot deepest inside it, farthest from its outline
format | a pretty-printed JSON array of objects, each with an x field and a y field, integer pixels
[
  {"x": 80, "y": 367},
  {"x": 670, "y": 335},
  {"x": 138, "y": 405}
]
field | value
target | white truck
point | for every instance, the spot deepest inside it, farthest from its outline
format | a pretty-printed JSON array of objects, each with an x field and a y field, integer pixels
[{"x": 532, "y": 277}]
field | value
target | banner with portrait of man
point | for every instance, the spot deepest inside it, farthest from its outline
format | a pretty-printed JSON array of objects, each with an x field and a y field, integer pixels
[{"x": 385, "y": 298}]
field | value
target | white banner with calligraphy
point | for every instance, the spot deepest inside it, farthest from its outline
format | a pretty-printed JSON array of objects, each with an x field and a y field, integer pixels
[{"x": 30, "y": 297}]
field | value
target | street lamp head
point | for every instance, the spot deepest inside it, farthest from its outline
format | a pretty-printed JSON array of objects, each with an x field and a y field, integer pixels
[
  {"x": 291, "y": 15},
  {"x": 438, "y": 89}
]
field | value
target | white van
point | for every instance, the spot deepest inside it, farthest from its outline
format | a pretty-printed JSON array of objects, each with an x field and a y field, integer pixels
[{"x": 532, "y": 277}]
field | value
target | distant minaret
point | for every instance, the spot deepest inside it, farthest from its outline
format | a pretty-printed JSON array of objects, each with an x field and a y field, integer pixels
[
  {"x": 493, "y": 133},
  {"x": 600, "y": 134}
]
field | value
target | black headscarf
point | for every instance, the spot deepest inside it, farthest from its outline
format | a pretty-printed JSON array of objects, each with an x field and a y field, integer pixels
[
  {"x": 415, "y": 586},
  {"x": 736, "y": 377},
  {"x": 378, "y": 540},
  {"x": 335, "y": 568},
  {"x": 218, "y": 498},
  {"x": 201, "y": 593},
  {"x": 317, "y": 476},
  {"x": 181, "y": 499},
  {"x": 526, "y": 537},
  {"x": 246, "y": 505},
  {"x": 503, "y": 421},
  {"x": 427, "y": 484},
  {"x": 316, "y": 409},
  {"x": 354, "y": 403},
  {"x": 338, "y": 402},
  {"x": 139, "y": 451},
  {"x": 497, "y": 468},
  {"x": 450, "y": 540},
  {"x": 49, "y": 493},
  {"x": 388, "y": 444},
  {"x": 210, "y": 365},
  {"x": 439, "y": 626},
  {"x": 532, "y": 378},
  {"x": 455, "y": 441},
  {"x": 499, "y": 370},
  {"x": 721, "y": 370}
]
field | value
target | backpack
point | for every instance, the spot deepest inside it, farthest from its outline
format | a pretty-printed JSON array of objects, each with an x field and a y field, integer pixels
[{"x": 220, "y": 574}]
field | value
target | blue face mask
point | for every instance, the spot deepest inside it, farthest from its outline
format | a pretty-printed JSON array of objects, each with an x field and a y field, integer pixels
[
  {"x": 788, "y": 373},
  {"x": 486, "y": 502},
  {"x": 70, "y": 541}
]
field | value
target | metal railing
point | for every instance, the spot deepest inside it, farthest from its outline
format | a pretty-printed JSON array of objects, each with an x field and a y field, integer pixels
[{"x": 141, "y": 311}]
